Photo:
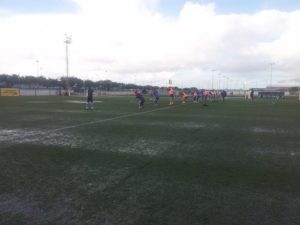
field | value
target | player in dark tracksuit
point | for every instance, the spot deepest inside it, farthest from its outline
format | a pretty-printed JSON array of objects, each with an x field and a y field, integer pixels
[
  {"x": 252, "y": 94},
  {"x": 223, "y": 95},
  {"x": 90, "y": 100},
  {"x": 155, "y": 96},
  {"x": 140, "y": 98}
]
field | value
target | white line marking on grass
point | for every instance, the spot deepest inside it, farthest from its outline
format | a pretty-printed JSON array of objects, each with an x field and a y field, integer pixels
[
  {"x": 39, "y": 102},
  {"x": 109, "y": 119},
  {"x": 80, "y": 102}
]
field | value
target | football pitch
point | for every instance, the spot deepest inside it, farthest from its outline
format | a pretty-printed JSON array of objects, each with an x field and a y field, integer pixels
[{"x": 231, "y": 163}]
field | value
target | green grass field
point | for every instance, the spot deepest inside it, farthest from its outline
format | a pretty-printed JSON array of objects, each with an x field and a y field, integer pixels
[{"x": 231, "y": 163}]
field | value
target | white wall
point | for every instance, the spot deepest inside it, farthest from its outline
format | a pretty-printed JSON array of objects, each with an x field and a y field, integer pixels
[{"x": 39, "y": 92}]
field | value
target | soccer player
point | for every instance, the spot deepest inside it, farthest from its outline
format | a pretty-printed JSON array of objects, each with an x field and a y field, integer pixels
[
  {"x": 204, "y": 97},
  {"x": 199, "y": 97},
  {"x": 155, "y": 96},
  {"x": 171, "y": 94},
  {"x": 223, "y": 95},
  {"x": 140, "y": 98},
  {"x": 195, "y": 96},
  {"x": 213, "y": 92},
  {"x": 183, "y": 97},
  {"x": 151, "y": 95},
  {"x": 90, "y": 100},
  {"x": 252, "y": 94}
]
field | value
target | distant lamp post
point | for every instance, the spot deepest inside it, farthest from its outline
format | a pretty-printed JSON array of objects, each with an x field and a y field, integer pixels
[
  {"x": 227, "y": 79},
  {"x": 212, "y": 79},
  {"x": 271, "y": 73},
  {"x": 37, "y": 68},
  {"x": 68, "y": 41},
  {"x": 84, "y": 87},
  {"x": 220, "y": 77}
]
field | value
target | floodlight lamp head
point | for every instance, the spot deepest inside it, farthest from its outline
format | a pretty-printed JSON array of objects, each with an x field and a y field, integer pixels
[{"x": 68, "y": 39}]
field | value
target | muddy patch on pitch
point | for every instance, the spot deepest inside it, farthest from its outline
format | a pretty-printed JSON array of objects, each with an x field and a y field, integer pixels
[
  {"x": 30, "y": 210},
  {"x": 178, "y": 125},
  {"x": 146, "y": 147},
  {"x": 68, "y": 111},
  {"x": 59, "y": 138},
  {"x": 268, "y": 131},
  {"x": 197, "y": 125},
  {"x": 41, "y": 137},
  {"x": 276, "y": 152},
  {"x": 263, "y": 130},
  {"x": 34, "y": 118}
]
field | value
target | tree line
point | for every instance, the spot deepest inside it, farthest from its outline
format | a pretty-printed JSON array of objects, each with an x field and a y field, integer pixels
[{"x": 17, "y": 81}]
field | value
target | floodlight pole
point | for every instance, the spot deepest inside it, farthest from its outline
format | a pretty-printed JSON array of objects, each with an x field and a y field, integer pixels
[{"x": 67, "y": 41}]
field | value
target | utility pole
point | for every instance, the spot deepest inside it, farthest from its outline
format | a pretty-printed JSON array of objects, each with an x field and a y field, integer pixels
[{"x": 67, "y": 41}]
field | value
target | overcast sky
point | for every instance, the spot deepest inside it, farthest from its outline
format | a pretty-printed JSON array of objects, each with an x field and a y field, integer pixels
[{"x": 220, "y": 43}]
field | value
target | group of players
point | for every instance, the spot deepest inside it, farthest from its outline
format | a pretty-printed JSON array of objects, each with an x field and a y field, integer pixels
[
  {"x": 197, "y": 95},
  {"x": 202, "y": 94}
]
